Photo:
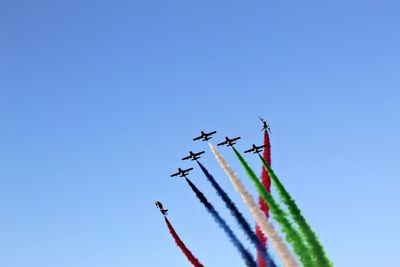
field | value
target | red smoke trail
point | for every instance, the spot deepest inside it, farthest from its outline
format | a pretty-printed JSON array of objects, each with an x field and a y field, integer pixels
[
  {"x": 266, "y": 181},
  {"x": 182, "y": 246}
]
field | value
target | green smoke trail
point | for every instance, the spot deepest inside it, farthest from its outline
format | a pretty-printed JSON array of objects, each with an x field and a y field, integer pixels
[
  {"x": 311, "y": 238},
  {"x": 292, "y": 236}
]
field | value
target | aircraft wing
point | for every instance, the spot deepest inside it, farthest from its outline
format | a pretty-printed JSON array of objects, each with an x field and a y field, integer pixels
[
  {"x": 222, "y": 143},
  {"x": 175, "y": 174},
  {"x": 185, "y": 158},
  {"x": 202, "y": 152},
  {"x": 247, "y": 151},
  {"x": 234, "y": 139},
  {"x": 212, "y": 133},
  {"x": 188, "y": 170},
  {"x": 197, "y": 138}
]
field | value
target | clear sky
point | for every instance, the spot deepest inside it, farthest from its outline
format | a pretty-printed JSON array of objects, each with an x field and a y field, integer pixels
[{"x": 99, "y": 100}]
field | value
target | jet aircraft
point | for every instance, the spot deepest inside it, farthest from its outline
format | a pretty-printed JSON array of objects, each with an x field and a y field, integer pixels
[
  {"x": 229, "y": 142},
  {"x": 160, "y": 206},
  {"x": 204, "y": 136},
  {"x": 265, "y": 125},
  {"x": 182, "y": 173},
  {"x": 193, "y": 156},
  {"x": 255, "y": 149}
]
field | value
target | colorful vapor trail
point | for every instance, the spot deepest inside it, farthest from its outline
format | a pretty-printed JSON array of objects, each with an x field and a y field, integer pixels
[
  {"x": 267, "y": 228},
  {"x": 192, "y": 259},
  {"x": 266, "y": 182},
  {"x": 292, "y": 235},
  {"x": 238, "y": 216},
  {"x": 246, "y": 255},
  {"x": 316, "y": 248},
  {"x": 294, "y": 241}
]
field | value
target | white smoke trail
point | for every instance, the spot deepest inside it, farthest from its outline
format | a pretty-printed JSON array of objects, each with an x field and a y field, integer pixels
[{"x": 267, "y": 228}]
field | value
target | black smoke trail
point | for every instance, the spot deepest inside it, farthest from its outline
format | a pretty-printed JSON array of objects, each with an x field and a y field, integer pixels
[
  {"x": 238, "y": 216},
  {"x": 236, "y": 242}
]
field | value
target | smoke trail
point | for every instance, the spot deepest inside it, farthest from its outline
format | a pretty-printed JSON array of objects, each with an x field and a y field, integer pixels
[
  {"x": 267, "y": 228},
  {"x": 292, "y": 235},
  {"x": 238, "y": 216},
  {"x": 210, "y": 208},
  {"x": 266, "y": 182},
  {"x": 182, "y": 246},
  {"x": 310, "y": 236}
]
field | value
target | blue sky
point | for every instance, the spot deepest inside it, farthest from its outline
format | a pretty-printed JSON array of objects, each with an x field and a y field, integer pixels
[{"x": 100, "y": 100}]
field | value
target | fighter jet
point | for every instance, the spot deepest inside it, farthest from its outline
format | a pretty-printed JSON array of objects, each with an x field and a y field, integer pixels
[
  {"x": 193, "y": 156},
  {"x": 204, "y": 136},
  {"x": 265, "y": 125},
  {"x": 229, "y": 142},
  {"x": 255, "y": 149},
  {"x": 160, "y": 206},
  {"x": 182, "y": 173}
]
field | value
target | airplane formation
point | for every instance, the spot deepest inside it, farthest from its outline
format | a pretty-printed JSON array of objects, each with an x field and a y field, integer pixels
[{"x": 195, "y": 156}]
